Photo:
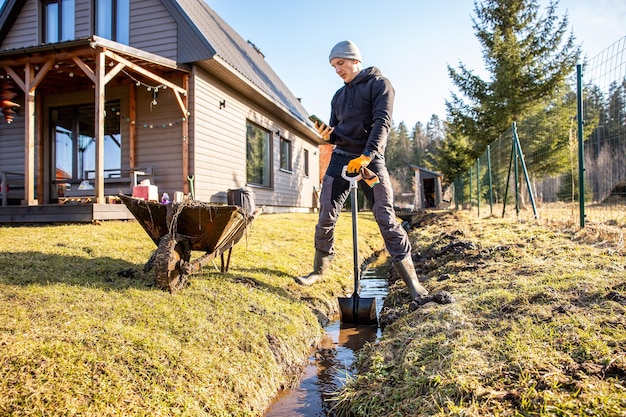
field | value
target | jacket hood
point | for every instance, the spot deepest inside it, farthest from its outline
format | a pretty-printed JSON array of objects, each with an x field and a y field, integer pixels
[{"x": 365, "y": 75}]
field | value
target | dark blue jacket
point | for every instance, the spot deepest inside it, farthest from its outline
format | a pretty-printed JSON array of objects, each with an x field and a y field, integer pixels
[{"x": 361, "y": 113}]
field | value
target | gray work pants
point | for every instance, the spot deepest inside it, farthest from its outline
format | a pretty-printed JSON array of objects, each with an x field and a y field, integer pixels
[{"x": 335, "y": 191}]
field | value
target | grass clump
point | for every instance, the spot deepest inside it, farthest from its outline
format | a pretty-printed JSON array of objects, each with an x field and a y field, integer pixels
[
  {"x": 79, "y": 338},
  {"x": 538, "y": 327}
]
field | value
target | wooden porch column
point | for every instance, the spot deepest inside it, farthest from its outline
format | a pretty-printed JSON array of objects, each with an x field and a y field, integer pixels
[
  {"x": 28, "y": 86},
  {"x": 42, "y": 193},
  {"x": 132, "y": 134},
  {"x": 29, "y": 137},
  {"x": 99, "y": 125},
  {"x": 185, "y": 133}
]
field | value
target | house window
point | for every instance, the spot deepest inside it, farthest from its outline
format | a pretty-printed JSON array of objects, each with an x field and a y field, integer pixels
[
  {"x": 73, "y": 135},
  {"x": 113, "y": 20},
  {"x": 306, "y": 163},
  {"x": 58, "y": 20},
  {"x": 286, "y": 147},
  {"x": 258, "y": 155}
]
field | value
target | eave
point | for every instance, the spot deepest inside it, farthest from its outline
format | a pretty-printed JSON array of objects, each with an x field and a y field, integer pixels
[{"x": 224, "y": 72}]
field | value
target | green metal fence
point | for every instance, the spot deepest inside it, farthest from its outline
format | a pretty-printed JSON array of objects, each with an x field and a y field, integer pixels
[{"x": 540, "y": 169}]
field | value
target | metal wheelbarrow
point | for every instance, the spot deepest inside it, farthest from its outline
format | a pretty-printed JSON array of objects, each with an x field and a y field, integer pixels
[{"x": 179, "y": 228}]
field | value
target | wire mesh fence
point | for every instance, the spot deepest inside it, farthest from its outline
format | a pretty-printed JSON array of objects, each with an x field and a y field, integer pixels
[{"x": 540, "y": 169}]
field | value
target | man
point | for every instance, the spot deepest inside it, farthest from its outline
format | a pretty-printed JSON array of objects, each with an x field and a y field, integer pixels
[{"x": 359, "y": 123}]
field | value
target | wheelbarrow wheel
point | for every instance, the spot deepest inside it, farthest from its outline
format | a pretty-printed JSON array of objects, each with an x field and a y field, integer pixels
[{"x": 168, "y": 264}]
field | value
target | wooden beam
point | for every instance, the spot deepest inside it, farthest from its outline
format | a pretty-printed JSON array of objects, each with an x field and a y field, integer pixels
[
  {"x": 177, "y": 90},
  {"x": 35, "y": 79},
  {"x": 145, "y": 72},
  {"x": 42, "y": 193},
  {"x": 88, "y": 71},
  {"x": 16, "y": 79},
  {"x": 181, "y": 104},
  {"x": 42, "y": 73},
  {"x": 132, "y": 111},
  {"x": 111, "y": 74},
  {"x": 38, "y": 59},
  {"x": 29, "y": 137},
  {"x": 99, "y": 125},
  {"x": 185, "y": 137}
]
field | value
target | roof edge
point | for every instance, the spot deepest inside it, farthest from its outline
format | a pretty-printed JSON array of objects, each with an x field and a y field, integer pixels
[
  {"x": 302, "y": 126},
  {"x": 9, "y": 13}
]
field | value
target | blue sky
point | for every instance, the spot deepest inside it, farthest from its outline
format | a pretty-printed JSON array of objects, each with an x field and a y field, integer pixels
[{"x": 411, "y": 41}]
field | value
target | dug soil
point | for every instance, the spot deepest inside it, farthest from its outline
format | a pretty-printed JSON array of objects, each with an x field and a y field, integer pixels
[{"x": 535, "y": 325}]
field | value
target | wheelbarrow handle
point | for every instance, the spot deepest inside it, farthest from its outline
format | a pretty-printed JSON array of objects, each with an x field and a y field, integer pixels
[{"x": 352, "y": 179}]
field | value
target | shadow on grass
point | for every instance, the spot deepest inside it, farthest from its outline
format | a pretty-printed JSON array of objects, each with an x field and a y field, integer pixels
[
  {"x": 36, "y": 268},
  {"x": 246, "y": 276},
  {"x": 32, "y": 268}
]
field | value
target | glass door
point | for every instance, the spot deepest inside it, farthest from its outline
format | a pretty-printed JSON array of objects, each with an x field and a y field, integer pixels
[{"x": 74, "y": 144}]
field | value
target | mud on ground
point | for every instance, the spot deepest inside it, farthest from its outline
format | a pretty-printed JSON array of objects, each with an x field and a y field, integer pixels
[{"x": 538, "y": 326}]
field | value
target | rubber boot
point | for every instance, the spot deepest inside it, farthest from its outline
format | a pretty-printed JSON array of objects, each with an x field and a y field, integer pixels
[
  {"x": 321, "y": 263},
  {"x": 406, "y": 269}
]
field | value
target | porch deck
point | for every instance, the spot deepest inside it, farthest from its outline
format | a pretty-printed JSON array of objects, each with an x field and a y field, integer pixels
[{"x": 64, "y": 213}]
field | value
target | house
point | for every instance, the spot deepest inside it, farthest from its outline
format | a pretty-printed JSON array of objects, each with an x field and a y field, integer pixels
[
  {"x": 428, "y": 191},
  {"x": 100, "y": 95}
]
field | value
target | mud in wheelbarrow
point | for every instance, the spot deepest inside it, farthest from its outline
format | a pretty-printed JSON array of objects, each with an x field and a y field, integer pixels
[{"x": 180, "y": 228}]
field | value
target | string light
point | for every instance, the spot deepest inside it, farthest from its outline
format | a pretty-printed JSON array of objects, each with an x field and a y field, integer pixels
[
  {"x": 148, "y": 86},
  {"x": 164, "y": 125}
]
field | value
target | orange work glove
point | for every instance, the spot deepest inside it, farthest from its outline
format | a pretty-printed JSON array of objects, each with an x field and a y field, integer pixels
[{"x": 355, "y": 165}]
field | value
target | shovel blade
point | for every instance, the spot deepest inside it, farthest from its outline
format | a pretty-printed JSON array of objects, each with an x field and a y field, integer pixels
[{"x": 358, "y": 311}]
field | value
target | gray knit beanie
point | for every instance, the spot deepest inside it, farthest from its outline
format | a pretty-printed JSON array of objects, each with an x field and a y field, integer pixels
[{"x": 346, "y": 50}]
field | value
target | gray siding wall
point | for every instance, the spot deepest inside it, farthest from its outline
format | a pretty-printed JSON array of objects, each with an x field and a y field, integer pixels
[
  {"x": 12, "y": 142},
  {"x": 159, "y": 138},
  {"x": 152, "y": 29},
  {"x": 219, "y": 148},
  {"x": 24, "y": 31},
  {"x": 83, "y": 23}
]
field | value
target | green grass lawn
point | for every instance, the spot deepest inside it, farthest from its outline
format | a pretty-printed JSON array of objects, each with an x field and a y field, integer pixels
[
  {"x": 538, "y": 327},
  {"x": 76, "y": 338}
]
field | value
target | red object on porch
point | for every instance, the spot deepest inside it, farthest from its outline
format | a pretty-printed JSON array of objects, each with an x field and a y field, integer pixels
[{"x": 147, "y": 192}]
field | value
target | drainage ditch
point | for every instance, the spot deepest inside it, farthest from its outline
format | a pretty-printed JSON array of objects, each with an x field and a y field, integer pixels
[{"x": 331, "y": 364}]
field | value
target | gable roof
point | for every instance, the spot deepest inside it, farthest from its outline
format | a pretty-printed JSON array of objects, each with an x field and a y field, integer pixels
[
  {"x": 221, "y": 39},
  {"x": 8, "y": 13},
  {"x": 205, "y": 38}
]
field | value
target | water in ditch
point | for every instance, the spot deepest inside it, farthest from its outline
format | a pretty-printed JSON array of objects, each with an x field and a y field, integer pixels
[{"x": 330, "y": 364}]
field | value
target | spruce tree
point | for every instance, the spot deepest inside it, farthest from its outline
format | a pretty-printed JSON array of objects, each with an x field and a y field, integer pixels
[
  {"x": 399, "y": 156},
  {"x": 419, "y": 142},
  {"x": 528, "y": 56},
  {"x": 453, "y": 156}
]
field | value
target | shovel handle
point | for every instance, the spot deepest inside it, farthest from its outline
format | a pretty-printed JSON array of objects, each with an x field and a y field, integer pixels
[
  {"x": 352, "y": 179},
  {"x": 191, "y": 179}
]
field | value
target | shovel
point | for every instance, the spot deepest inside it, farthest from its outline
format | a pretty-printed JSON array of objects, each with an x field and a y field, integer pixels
[
  {"x": 356, "y": 310},
  {"x": 192, "y": 190}
]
